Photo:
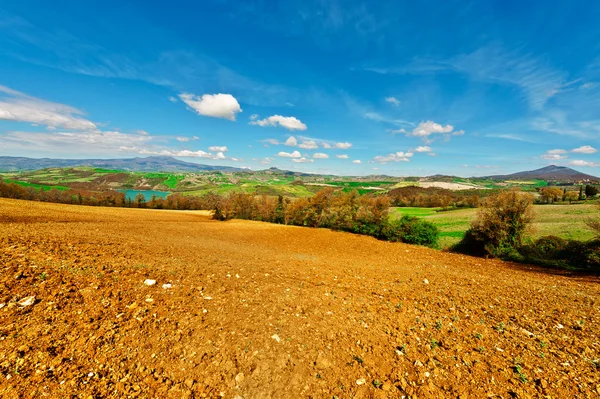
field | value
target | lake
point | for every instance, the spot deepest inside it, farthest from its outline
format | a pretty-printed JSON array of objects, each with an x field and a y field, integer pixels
[{"x": 130, "y": 194}]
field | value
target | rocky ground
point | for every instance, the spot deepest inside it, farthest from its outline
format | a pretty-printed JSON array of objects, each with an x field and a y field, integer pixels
[{"x": 118, "y": 303}]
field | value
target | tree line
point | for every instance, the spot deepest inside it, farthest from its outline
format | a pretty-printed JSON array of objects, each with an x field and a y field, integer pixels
[{"x": 329, "y": 208}]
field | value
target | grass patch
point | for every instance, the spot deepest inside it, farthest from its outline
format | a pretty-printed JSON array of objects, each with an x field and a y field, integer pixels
[
  {"x": 45, "y": 187},
  {"x": 564, "y": 221}
]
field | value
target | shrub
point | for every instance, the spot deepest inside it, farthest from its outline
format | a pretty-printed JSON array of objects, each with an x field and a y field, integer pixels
[
  {"x": 569, "y": 254},
  {"x": 500, "y": 225},
  {"x": 411, "y": 230}
]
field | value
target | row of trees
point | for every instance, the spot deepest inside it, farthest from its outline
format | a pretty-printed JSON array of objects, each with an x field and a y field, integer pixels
[
  {"x": 434, "y": 197},
  {"x": 550, "y": 195},
  {"x": 332, "y": 209},
  {"x": 105, "y": 198}
]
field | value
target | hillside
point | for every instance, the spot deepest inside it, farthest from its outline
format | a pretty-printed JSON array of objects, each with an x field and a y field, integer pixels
[
  {"x": 147, "y": 164},
  {"x": 249, "y": 309},
  {"x": 551, "y": 173}
]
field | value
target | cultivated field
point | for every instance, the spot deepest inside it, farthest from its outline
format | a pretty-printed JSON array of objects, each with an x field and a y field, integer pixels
[
  {"x": 256, "y": 310},
  {"x": 565, "y": 221}
]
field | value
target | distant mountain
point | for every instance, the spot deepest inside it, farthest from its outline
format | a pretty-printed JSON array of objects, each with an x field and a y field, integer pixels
[
  {"x": 552, "y": 173},
  {"x": 148, "y": 164}
]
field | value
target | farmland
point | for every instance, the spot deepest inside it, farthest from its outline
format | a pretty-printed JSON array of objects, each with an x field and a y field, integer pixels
[
  {"x": 253, "y": 309},
  {"x": 565, "y": 221},
  {"x": 267, "y": 182}
]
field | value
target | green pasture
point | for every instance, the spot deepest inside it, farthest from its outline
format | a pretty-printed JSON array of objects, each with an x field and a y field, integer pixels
[
  {"x": 45, "y": 187},
  {"x": 565, "y": 221}
]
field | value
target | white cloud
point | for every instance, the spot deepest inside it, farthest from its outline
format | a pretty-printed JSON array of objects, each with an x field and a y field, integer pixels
[
  {"x": 216, "y": 105},
  {"x": 393, "y": 100},
  {"x": 554, "y": 154},
  {"x": 295, "y": 154},
  {"x": 291, "y": 142},
  {"x": 342, "y": 156},
  {"x": 343, "y": 146},
  {"x": 586, "y": 149},
  {"x": 195, "y": 138},
  {"x": 423, "y": 148},
  {"x": 183, "y": 139},
  {"x": 142, "y": 132},
  {"x": 288, "y": 122},
  {"x": 425, "y": 131},
  {"x": 217, "y": 148},
  {"x": 173, "y": 99},
  {"x": 175, "y": 153},
  {"x": 54, "y": 144},
  {"x": 254, "y": 117},
  {"x": 20, "y": 107},
  {"x": 357, "y": 161},
  {"x": 266, "y": 161},
  {"x": 309, "y": 145},
  {"x": 320, "y": 155},
  {"x": 272, "y": 141},
  {"x": 580, "y": 162},
  {"x": 303, "y": 160},
  {"x": 393, "y": 157}
]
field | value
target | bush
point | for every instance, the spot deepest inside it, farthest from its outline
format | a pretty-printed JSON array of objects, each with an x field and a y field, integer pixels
[
  {"x": 567, "y": 254},
  {"x": 411, "y": 230},
  {"x": 499, "y": 226}
]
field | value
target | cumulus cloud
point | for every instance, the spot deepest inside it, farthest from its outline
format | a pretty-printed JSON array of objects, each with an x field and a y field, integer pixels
[
  {"x": 586, "y": 149},
  {"x": 426, "y": 131},
  {"x": 142, "y": 132},
  {"x": 20, "y": 107},
  {"x": 580, "y": 162},
  {"x": 288, "y": 122},
  {"x": 303, "y": 160},
  {"x": 308, "y": 145},
  {"x": 215, "y": 105},
  {"x": 393, "y": 100},
  {"x": 265, "y": 161},
  {"x": 295, "y": 154},
  {"x": 554, "y": 155},
  {"x": 320, "y": 155},
  {"x": 357, "y": 161},
  {"x": 291, "y": 141},
  {"x": 343, "y": 146},
  {"x": 183, "y": 139},
  {"x": 393, "y": 157},
  {"x": 423, "y": 148},
  {"x": 342, "y": 156},
  {"x": 217, "y": 148}
]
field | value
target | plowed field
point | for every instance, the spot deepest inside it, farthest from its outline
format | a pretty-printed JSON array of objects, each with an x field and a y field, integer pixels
[{"x": 253, "y": 310}]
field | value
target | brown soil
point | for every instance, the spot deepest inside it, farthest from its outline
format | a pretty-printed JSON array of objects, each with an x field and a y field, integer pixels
[{"x": 259, "y": 310}]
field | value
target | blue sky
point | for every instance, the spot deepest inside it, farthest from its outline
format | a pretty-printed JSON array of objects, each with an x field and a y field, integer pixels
[{"x": 346, "y": 87}]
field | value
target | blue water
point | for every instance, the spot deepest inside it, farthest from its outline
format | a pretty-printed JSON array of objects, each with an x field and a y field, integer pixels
[{"x": 130, "y": 194}]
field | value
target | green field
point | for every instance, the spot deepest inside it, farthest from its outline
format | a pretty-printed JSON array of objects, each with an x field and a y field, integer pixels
[
  {"x": 566, "y": 221},
  {"x": 45, "y": 187}
]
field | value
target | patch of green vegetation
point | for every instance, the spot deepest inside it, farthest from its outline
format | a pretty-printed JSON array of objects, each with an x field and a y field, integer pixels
[
  {"x": 45, "y": 187},
  {"x": 565, "y": 221}
]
